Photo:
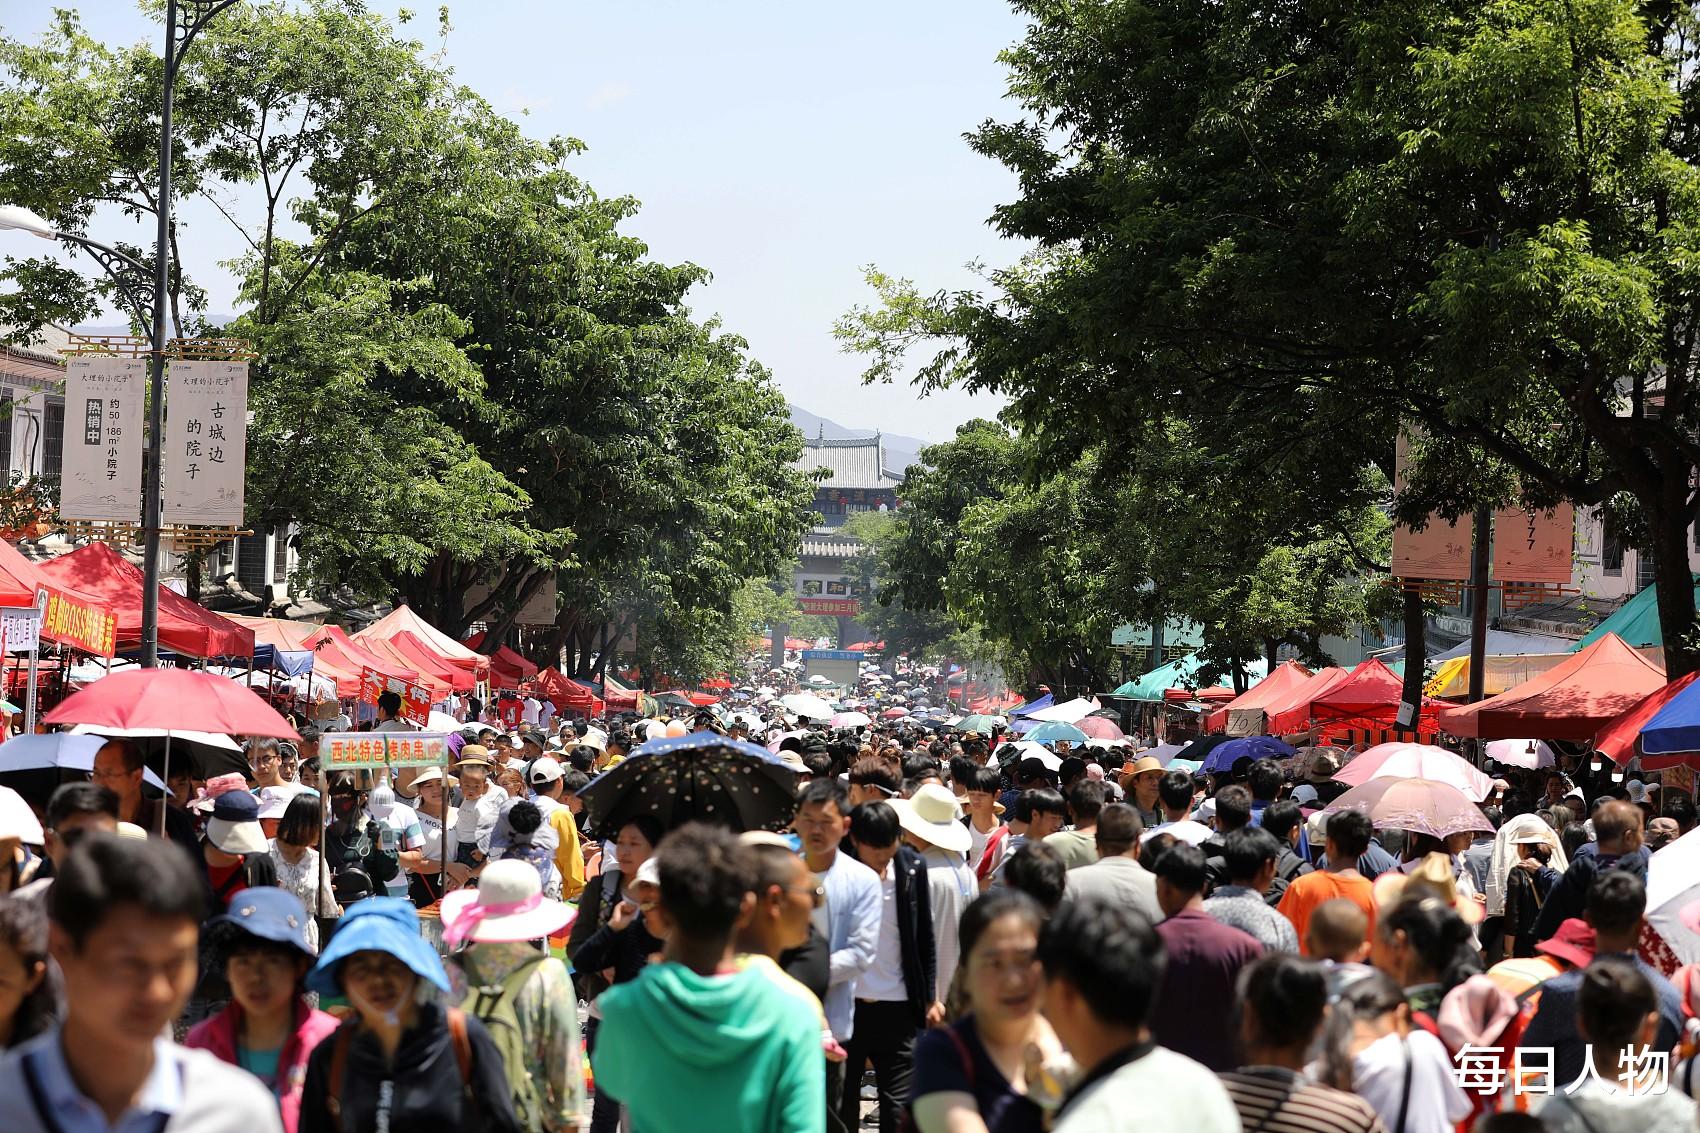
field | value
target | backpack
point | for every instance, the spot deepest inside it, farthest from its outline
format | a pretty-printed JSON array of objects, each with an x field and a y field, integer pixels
[
  {"x": 338, "y": 1069},
  {"x": 496, "y": 1007}
]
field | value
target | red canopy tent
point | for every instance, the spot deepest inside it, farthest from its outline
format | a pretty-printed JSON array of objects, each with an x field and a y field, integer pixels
[
  {"x": 718, "y": 684},
  {"x": 409, "y": 646},
  {"x": 1616, "y": 741},
  {"x": 1288, "y": 675},
  {"x": 439, "y": 643},
  {"x": 618, "y": 696},
  {"x": 184, "y": 627},
  {"x": 569, "y": 695},
  {"x": 434, "y": 677},
  {"x": 332, "y": 643},
  {"x": 1213, "y": 695},
  {"x": 1571, "y": 701},
  {"x": 82, "y": 621},
  {"x": 281, "y": 633},
  {"x": 1291, "y": 713},
  {"x": 1369, "y": 697},
  {"x": 509, "y": 667}
]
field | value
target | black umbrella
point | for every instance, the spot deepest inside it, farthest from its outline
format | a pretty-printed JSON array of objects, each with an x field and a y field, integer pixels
[
  {"x": 703, "y": 777},
  {"x": 1202, "y": 747}
]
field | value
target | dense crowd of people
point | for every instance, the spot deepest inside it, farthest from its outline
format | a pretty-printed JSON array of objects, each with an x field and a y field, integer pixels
[{"x": 946, "y": 935}]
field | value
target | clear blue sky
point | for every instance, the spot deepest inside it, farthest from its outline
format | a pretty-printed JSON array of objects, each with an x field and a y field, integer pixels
[{"x": 780, "y": 145}]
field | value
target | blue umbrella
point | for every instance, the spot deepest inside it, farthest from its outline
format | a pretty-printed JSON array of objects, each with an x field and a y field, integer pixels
[
  {"x": 1223, "y": 756},
  {"x": 1053, "y": 730},
  {"x": 59, "y": 750},
  {"x": 704, "y": 777}
]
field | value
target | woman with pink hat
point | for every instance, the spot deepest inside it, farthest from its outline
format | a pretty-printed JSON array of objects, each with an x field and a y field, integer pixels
[{"x": 505, "y": 924}]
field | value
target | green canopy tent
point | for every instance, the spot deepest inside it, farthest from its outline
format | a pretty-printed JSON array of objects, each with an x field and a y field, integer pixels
[
  {"x": 1636, "y": 621},
  {"x": 1180, "y": 673}
]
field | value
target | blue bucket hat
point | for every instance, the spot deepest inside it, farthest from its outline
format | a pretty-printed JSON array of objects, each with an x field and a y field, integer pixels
[
  {"x": 270, "y": 914},
  {"x": 378, "y": 924}
]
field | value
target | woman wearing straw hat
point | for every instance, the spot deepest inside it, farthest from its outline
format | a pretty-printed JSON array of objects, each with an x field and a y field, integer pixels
[
  {"x": 504, "y": 924},
  {"x": 401, "y": 1061}
]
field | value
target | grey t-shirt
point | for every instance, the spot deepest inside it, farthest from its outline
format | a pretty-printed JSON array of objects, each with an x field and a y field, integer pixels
[{"x": 1600, "y": 1108}]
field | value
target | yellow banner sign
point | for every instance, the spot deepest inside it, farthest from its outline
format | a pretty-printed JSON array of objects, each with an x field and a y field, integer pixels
[{"x": 83, "y": 627}]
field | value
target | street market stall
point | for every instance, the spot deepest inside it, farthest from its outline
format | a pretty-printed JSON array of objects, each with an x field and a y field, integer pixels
[
  {"x": 184, "y": 627},
  {"x": 1243, "y": 716},
  {"x": 1572, "y": 701}
]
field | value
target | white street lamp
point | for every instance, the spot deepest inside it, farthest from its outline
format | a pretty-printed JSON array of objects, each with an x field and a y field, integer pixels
[{"x": 16, "y": 218}]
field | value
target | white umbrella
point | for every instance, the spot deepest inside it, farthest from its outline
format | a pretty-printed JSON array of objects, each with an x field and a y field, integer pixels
[
  {"x": 803, "y": 704},
  {"x": 750, "y": 718},
  {"x": 442, "y": 722},
  {"x": 1672, "y": 891},
  {"x": 817, "y": 679},
  {"x": 1071, "y": 712},
  {"x": 1530, "y": 754}
]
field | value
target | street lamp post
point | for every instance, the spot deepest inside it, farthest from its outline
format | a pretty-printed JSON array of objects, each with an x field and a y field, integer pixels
[{"x": 184, "y": 20}]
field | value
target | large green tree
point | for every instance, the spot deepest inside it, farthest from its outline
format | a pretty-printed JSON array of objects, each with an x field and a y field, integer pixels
[
  {"x": 473, "y": 385},
  {"x": 1477, "y": 220}
]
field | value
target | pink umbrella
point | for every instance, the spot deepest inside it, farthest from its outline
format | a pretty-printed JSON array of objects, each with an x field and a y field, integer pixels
[
  {"x": 894, "y": 713},
  {"x": 1430, "y": 808},
  {"x": 849, "y": 720},
  {"x": 1099, "y": 728},
  {"x": 1416, "y": 761}
]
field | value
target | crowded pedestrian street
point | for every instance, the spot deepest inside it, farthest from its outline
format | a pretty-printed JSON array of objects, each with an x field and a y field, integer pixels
[{"x": 986, "y": 566}]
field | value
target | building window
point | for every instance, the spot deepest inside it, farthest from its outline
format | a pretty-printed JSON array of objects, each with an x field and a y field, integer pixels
[
  {"x": 53, "y": 438},
  {"x": 280, "y": 556},
  {"x": 6, "y": 435},
  {"x": 251, "y": 563},
  {"x": 1611, "y": 550},
  {"x": 829, "y": 506},
  {"x": 1643, "y": 570}
]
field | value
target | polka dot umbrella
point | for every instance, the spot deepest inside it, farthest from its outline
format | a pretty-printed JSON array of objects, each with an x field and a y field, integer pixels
[{"x": 702, "y": 777}]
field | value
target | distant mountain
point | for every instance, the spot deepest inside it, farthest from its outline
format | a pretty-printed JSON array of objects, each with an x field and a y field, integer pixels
[
  {"x": 217, "y": 320},
  {"x": 900, "y": 451}
]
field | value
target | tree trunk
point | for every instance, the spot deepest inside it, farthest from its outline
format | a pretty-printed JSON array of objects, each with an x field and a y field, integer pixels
[
  {"x": 1416, "y": 652},
  {"x": 1667, "y": 522}
]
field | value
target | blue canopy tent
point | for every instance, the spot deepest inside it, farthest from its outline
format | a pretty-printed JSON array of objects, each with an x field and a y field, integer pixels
[{"x": 1038, "y": 705}]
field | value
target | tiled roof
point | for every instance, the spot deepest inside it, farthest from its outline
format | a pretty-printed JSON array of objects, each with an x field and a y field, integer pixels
[{"x": 855, "y": 462}]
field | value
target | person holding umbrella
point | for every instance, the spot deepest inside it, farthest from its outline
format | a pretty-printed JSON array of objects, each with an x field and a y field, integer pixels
[{"x": 118, "y": 768}]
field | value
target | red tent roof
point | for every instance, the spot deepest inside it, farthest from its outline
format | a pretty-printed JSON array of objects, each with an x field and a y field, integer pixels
[
  {"x": 281, "y": 633},
  {"x": 1616, "y": 741},
  {"x": 512, "y": 665},
  {"x": 432, "y": 676},
  {"x": 441, "y": 644},
  {"x": 332, "y": 643},
  {"x": 567, "y": 694},
  {"x": 459, "y": 679},
  {"x": 1288, "y": 675},
  {"x": 1370, "y": 693},
  {"x": 1291, "y": 713},
  {"x": 184, "y": 627},
  {"x": 1571, "y": 701},
  {"x": 21, "y": 579}
]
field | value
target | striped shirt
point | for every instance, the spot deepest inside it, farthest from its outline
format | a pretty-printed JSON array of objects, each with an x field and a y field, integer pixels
[{"x": 1274, "y": 1100}]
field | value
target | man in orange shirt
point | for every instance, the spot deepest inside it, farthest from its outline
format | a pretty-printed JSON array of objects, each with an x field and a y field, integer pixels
[{"x": 1348, "y": 836}]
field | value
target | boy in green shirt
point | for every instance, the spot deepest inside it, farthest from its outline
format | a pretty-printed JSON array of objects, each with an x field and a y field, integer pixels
[{"x": 696, "y": 1041}]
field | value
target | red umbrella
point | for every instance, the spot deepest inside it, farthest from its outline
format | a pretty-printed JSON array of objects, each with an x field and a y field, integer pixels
[
  {"x": 894, "y": 713},
  {"x": 178, "y": 700},
  {"x": 1098, "y": 728}
]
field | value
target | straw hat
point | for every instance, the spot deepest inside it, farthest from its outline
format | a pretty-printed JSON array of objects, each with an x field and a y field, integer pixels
[
  {"x": 1432, "y": 878},
  {"x": 934, "y": 816},
  {"x": 508, "y": 905}
]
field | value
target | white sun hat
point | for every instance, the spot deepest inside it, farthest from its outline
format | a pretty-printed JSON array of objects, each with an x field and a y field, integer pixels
[
  {"x": 934, "y": 816},
  {"x": 17, "y": 820},
  {"x": 508, "y": 905}
]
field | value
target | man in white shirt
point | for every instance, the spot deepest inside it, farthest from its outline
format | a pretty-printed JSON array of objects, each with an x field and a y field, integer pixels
[
  {"x": 532, "y": 710},
  {"x": 1103, "y": 963},
  {"x": 932, "y": 824}
]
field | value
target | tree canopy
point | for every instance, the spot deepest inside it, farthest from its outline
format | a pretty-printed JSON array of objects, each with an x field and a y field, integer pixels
[{"x": 473, "y": 385}]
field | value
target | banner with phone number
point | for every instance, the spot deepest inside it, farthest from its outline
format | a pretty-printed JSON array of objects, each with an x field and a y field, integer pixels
[{"x": 351, "y": 751}]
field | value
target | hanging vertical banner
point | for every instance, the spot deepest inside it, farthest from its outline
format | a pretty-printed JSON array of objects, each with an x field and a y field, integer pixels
[
  {"x": 206, "y": 442},
  {"x": 1439, "y": 551},
  {"x": 101, "y": 474},
  {"x": 1534, "y": 546}
]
